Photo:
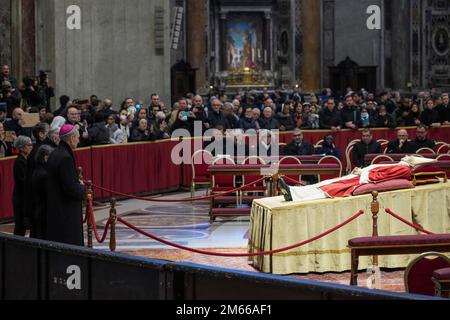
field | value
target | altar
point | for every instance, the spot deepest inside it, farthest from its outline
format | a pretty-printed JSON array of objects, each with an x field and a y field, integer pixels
[{"x": 275, "y": 223}]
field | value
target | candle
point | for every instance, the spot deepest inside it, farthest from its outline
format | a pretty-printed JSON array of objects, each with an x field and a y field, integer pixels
[
  {"x": 265, "y": 56},
  {"x": 259, "y": 53}
]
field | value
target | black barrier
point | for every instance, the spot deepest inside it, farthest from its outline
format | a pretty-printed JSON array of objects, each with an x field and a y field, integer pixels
[
  {"x": 40, "y": 270},
  {"x": 210, "y": 283}
]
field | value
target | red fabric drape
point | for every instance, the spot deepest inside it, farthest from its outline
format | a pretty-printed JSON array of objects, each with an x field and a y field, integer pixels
[
  {"x": 6, "y": 188},
  {"x": 147, "y": 167}
]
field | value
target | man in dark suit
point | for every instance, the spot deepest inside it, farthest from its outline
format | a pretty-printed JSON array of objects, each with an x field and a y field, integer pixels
[
  {"x": 421, "y": 140},
  {"x": 65, "y": 192},
  {"x": 363, "y": 147},
  {"x": 298, "y": 147},
  {"x": 402, "y": 144}
]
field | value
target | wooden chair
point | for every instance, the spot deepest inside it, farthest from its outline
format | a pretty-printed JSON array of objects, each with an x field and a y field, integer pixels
[
  {"x": 200, "y": 161},
  {"x": 384, "y": 146},
  {"x": 381, "y": 158},
  {"x": 419, "y": 272},
  {"x": 443, "y": 157},
  {"x": 425, "y": 151},
  {"x": 328, "y": 160},
  {"x": 443, "y": 148},
  {"x": 257, "y": 187},
  {"x": 348, "y": 158},
  {"x": 292, "y": 160},
  {"x": 223, "y": 183}
]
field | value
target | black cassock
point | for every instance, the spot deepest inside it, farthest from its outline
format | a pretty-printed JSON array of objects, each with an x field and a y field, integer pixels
[{"x": 64, "y": 198}]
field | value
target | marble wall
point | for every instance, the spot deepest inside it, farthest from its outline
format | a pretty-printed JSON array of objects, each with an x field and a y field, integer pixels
[{"x": 114, "y": 55}]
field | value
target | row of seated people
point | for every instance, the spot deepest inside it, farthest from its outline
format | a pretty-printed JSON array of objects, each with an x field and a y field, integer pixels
[{"x": 401, "y": 145}]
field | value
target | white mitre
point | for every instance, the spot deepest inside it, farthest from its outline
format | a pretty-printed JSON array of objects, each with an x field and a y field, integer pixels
[{"x": 413, "y": 161}]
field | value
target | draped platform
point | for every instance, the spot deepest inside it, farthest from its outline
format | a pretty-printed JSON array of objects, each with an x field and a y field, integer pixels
[
  {"x": 147, "y": 167},
  {"x": 276, "y": 223}
]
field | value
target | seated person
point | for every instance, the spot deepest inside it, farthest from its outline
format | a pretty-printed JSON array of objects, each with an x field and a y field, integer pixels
[
  {"x": 328, "y": 148},
  {"x": 421, "y": 140},
  {"x": 401, "y": 145},
  {"x": 344, "y": 186},
  {"x": 298, "y": 147},
  {"x": 363, "y": 147}
]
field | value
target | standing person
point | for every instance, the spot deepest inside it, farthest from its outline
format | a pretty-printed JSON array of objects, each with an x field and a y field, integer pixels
[
  {"x": 39, "y": 197},
  {"x": 65, "y": 192},
  {"x": 24, "y": 145}
]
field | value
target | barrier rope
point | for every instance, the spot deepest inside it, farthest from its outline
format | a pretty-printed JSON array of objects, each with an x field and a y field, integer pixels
[
  {"x": 389, "y": 211},
  {"x": 179, "y": 200},
  {"x": 288, "y": 179},
  {"x": 240, "y": 254},
  {"x": 94, "y": 225}
]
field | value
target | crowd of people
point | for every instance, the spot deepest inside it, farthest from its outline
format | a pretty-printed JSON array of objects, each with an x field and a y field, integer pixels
[{"x": 45, "y": 149}]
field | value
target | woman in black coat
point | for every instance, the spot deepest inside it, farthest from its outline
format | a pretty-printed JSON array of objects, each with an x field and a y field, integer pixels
[
  {"x": 39, "y": 196},
  {"x": 24, "y": 146},
  {"x": 64, "y": 191}
]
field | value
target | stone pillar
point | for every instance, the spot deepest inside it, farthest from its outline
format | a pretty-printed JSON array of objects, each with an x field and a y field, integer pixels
[
  {"x": 23, "y": 38},
  {"x": 5, "y": 31},
  {"x": 400, "y": 43},
  {"x": 311, "y": 45},
  {"x": 196, "y": 39},
  {"x": 267, "y": 56},
  {"x": 222, "y": 41},
  {"x": 28, "y": 38}
]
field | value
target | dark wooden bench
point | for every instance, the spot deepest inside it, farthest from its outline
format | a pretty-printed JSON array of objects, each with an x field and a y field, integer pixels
[{"x": 389, "y": 245}]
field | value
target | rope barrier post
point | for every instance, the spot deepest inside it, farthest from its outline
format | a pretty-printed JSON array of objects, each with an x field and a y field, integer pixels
[
  {"x": 275, "y": 179},
  {"x": 89, "y": 199},
  {"x": 375, "y": 208},
  {"x": 113, "y": 218}
]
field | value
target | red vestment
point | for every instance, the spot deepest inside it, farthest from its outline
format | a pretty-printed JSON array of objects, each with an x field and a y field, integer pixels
[{"x": 345, "y": 188}]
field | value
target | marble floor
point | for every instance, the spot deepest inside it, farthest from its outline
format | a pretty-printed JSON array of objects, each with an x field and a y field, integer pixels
[{"x": 188, "y": 224}]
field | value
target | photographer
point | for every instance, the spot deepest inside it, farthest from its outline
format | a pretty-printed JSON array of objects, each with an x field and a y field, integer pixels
[
  {"x": 31, "y": 93},
  {"x": 44, "y": 90}
]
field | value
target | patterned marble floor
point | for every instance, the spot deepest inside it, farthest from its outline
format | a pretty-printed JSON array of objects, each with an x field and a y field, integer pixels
[{"x": 188, "y": 224}]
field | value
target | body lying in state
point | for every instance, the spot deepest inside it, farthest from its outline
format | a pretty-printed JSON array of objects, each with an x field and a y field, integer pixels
[{"x": 344, "y": 186}]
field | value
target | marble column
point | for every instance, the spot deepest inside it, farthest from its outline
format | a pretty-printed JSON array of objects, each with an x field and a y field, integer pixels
[
  {"x": 266, "y": 55},
  {"x": 5, "y": 31},
  {"x": 311, "y": 69},
  {"x": 23, "y": 38},
  {"x": 196, "y": 39},
  {"x": 28, "y": 38},
  {"x": 223, "y": 35}
]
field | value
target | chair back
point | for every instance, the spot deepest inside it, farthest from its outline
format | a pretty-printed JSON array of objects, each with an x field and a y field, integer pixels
[
  {"x": 223, "y": 181},
  {"x": 425, "y": 151},
  {"x": 442, "y": 148},
  {"x": 318, "y": 144},
  {"x": 200, "y": 161},
  {"x": 384, "y": 146},
  {"x": 381, "y": 158},
  {"x": 252, "y": 160},
  {"x": 349, "y": 158},
  {"x": 443, "y": 157},
  {"x": 419, "y": 272},
  {"x": 291, "y": 160},
  {"x": 330, "y": 160}
]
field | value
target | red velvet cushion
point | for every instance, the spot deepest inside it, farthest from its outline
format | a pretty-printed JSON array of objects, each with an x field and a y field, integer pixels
[
  {"x": 394, "y": 184},
  {"x": 426, "y": 169},
  {"x": 399, "y": 240},
  {"x": 427, "y": 174},
  {"x": 442, "y": 274}
]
